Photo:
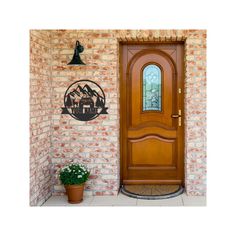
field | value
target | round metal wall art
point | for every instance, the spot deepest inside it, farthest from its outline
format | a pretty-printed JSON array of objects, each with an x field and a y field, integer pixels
[{"x": 84, "y": 100}]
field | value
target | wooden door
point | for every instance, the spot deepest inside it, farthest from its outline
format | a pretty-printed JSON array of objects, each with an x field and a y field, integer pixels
[{"x": 152, "y": 128}]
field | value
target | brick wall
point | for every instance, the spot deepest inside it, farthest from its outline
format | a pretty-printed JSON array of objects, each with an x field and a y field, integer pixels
[
  {"x": 96, "y": 142},
  {"x": 40, "y": 117},
  {"x": 93, "y": 142},
  {"x": 195, "y": 108}
]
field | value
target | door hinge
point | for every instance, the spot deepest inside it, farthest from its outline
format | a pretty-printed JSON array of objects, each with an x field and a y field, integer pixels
[{"x": 180, "y": 91}]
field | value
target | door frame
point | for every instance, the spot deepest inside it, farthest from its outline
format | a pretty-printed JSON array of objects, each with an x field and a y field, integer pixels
[{"x": 120, "y": 45}]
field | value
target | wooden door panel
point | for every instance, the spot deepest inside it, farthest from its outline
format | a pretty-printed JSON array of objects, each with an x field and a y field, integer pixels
[
  {"x": 151, "y": 139},
  {"x": 151, "y": 151},
  {"x": 137, "y": 115},
  {"x": 151, "y": 175},
  {"x": 152, "y": 129}
]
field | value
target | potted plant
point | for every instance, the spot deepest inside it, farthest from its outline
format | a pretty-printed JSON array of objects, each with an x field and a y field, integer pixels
[{"x": 73, "y": 177}]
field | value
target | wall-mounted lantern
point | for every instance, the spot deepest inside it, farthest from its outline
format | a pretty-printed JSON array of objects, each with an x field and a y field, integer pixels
[{"x": 76, "y": 60}]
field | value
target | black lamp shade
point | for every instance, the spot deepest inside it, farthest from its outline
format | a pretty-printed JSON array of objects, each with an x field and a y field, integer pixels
[{"x": 76, "y": 60}]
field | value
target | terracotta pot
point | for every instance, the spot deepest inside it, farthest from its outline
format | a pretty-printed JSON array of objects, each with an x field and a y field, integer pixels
[{"x": 75, "y": 193}]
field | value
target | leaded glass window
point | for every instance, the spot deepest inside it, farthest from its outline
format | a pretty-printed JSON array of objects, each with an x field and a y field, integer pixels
[{"x": 151, "y": 88}]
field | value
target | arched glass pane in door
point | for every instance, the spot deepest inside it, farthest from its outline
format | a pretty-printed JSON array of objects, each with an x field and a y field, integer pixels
[{"x": 152, "y": 88}]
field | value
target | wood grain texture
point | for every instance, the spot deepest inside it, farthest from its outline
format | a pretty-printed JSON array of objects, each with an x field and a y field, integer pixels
[{"x": 152, "y": 142}]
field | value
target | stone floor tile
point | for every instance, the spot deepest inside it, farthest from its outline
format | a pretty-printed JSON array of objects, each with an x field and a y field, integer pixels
[
  {"x": 176, "y": 201},
  {"x": 193, "y": 200},
  {"x": 123, "y": 200},
  {"x": 62, "y": 201},
  {"x": 104, "y": 201}
]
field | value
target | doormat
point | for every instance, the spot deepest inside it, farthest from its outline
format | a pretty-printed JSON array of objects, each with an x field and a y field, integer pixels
[{"x": 152, "y": 192}]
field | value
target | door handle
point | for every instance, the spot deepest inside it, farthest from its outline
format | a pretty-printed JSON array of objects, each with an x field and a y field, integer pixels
[{"x": 177, "y": 116}]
